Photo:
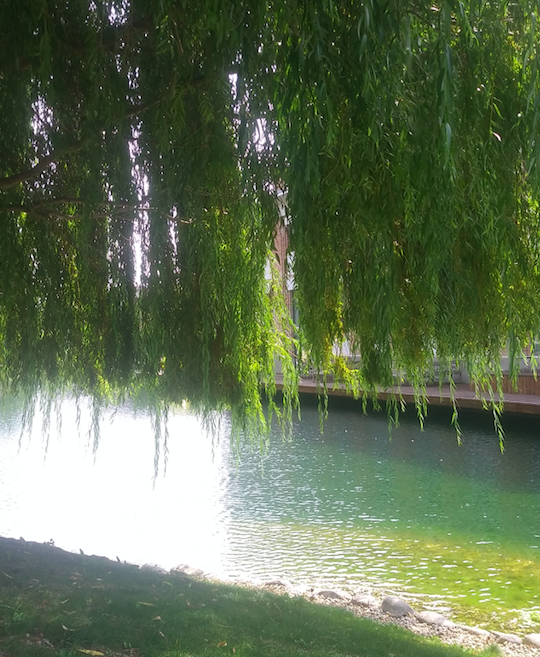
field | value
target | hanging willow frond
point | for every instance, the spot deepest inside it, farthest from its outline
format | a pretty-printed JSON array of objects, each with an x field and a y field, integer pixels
[{"x": 142, "y": 147}]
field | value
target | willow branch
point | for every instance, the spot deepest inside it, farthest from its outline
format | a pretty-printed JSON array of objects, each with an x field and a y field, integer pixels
[
  {"x": 39, "y": 168},
  {"x": 30, "y": 174},
  {"x": 135, "y": 110},
  {"x": 76, "y": 200},
  {"x": 120, "y": 209},
  {"x": 44, "y": 163}
]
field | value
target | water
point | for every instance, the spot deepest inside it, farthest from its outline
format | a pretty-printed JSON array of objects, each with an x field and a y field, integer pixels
[
  {"x": 417, "y": 514},
  {"x": 109, "y": 503}
]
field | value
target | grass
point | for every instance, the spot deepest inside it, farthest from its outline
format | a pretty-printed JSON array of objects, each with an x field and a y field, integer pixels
[{"x": 57, "y": 604}]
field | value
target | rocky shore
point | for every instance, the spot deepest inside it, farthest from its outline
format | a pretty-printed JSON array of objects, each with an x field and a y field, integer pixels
[
  {"x": 427, "y": 621},
  {"x": 424, "y": 618}
]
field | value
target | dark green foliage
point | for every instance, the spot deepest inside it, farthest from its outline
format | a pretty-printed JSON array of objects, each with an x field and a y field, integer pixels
[{"x": 138, "y": 190}]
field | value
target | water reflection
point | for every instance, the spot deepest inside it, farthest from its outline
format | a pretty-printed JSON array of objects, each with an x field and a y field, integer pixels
[
  {"x": 353, "y": 472},
  {"x": 109, "y": 503},
  {"x": 417, "y": 512}
]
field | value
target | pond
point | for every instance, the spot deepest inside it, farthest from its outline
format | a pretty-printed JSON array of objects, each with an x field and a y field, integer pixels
[{"x": 351, "y": 507}]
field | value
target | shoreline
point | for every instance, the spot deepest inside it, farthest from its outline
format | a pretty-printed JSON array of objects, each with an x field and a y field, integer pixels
[
  {"x": 517, "y": 403},
  {"x": 365, "y": 602},
  {"x": 368, "y": 602}
]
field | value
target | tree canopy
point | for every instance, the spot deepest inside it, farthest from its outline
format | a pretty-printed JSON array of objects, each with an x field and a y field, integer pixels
[{"x": 144, "y": 143}]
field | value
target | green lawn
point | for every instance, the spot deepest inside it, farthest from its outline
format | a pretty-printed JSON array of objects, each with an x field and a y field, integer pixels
[{"x": 57, "y": 604}]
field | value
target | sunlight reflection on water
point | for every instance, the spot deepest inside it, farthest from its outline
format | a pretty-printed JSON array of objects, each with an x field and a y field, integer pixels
[
  {"x": 109, "y": 504},
  {"x": 348, "y": 508}
]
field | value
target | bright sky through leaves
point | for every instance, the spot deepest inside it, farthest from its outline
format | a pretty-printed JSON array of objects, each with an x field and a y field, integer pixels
[{"x": 137, "y": 208}]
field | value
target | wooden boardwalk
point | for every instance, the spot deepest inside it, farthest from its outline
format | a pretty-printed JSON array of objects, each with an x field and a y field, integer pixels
[{"x": 464, "y": 396}]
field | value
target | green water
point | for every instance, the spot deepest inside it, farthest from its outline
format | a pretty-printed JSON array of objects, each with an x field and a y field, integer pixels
[{"x": 417, "y": 513}]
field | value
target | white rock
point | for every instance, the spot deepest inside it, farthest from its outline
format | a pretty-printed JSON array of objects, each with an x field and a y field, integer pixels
[
  {"x": 155, "y": 569},
  {"x": 333, "y": 595},
  {"x": 502, "y": 637},
  {"x": 277, "y": 582},
  {"x": 184, "y": 569},
  {"x": 478, "y": 631},
  {"x": 364, "y": 600},
  {"x": 532, "y": 640},
  {"x": 396, "y": 606},
  {"x": 431, "y": 617}
]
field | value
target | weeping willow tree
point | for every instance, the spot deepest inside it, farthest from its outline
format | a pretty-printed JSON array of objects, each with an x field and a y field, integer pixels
[{"x": 143, "y": 145}]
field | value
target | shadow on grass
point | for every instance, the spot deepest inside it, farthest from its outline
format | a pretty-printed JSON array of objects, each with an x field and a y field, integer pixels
[{"x": 54, "y": 603}]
